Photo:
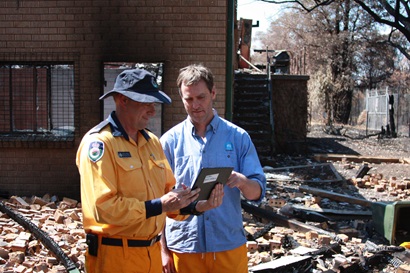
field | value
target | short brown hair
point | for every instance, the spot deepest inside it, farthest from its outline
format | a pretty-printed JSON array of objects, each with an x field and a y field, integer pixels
[{"x": 194, "y": 73}]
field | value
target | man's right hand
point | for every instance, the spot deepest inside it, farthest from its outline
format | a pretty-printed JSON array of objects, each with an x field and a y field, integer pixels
[
  {"x": 178, "y": 198},
  {"x": 214, "y": 200},
  {"x": 168, "y": 265}
]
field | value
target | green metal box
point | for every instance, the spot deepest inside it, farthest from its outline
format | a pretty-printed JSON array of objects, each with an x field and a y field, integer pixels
[{"x": 392, "y": 220}]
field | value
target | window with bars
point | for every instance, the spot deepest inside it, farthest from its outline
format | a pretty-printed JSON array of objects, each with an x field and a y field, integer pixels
[{"x": 37, "y": 100}]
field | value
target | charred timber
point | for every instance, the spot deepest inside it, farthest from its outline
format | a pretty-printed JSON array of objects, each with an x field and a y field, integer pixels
[{"x": 47, "y": 241}]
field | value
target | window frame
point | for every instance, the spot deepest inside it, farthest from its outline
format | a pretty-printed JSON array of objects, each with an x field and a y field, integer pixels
[{"x": 64, "y": 135}]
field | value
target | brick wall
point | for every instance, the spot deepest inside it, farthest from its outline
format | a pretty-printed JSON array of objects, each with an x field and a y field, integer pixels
[
  {"x": 289, "y": 99},
  {"x": 89, "y": 33}
]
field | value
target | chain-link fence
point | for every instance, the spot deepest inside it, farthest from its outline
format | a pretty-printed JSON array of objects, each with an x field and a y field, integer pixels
[
  {"x": 388, "y": 111},
  {"x": 372, "y": 109}
]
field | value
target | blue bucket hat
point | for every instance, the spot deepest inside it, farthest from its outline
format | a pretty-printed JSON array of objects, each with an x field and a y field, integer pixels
[{"x": 138, "y": 85}]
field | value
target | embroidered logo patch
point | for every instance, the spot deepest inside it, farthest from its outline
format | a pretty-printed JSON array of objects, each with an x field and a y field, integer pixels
[
  {"x": 228, "y": 146},
  {"x": 96, "y": 150}
]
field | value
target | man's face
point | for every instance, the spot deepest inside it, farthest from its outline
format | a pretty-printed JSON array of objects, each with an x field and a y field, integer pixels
[
  {"x": 198, "y": 99},
  {"x": 140, "y": 113}
]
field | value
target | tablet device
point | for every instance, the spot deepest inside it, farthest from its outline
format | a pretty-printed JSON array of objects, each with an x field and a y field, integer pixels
[{"x": 208, "y": 178}]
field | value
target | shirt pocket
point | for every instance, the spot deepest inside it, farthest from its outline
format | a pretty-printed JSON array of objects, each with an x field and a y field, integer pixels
[
  {"x": 226, "y": 159},
  {"x": 157, "y": 174},
  {"x": 130, "y": 178}
]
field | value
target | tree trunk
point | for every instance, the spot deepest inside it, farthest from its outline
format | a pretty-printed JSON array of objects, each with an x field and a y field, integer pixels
[{"x": 342, "y": 103}]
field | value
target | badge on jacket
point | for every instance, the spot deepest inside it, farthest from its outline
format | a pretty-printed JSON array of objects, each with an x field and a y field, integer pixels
[{"x": 96, "y": 150}]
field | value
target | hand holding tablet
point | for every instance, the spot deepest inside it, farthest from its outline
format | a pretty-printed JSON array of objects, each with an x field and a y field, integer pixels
[{"x": 208, "y": 178}]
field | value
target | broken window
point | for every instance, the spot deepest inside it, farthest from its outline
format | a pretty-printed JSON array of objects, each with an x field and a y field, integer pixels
[{"x": 37, "y": 101}]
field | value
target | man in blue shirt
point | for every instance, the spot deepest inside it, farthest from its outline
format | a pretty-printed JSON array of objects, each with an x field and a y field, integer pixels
[{"x": 211, "y": 240}]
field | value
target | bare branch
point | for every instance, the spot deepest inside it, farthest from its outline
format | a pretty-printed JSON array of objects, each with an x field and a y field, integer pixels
[
  {"x": 398, "y": 15},
  {"x": 399, "y": 22},
  {"x": 398, "y": 46},
  {"x": 300, "y": 3}
]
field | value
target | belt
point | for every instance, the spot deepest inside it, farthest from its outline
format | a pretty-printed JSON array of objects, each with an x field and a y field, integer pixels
[{"x": 131, "y": 243}]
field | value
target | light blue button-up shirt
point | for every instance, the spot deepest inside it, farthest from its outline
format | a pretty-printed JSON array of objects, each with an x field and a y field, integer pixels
[{"x": 225, "y": 145}]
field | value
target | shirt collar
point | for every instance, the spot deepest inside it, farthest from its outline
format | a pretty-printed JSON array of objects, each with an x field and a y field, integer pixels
[
  {"x": 213, "y": 125},
  {"x": 118, "y": 130}
]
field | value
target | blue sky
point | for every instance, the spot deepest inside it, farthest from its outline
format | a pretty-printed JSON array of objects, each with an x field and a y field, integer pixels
[{"x": 257, "y": 10}]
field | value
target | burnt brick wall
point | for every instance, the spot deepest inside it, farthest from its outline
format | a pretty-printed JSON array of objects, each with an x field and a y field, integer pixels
[
  {"x": 289, "y": 99},
  {"x": 89, "y": 33}
]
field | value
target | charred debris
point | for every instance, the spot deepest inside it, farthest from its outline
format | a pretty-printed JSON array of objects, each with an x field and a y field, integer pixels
[{"x": 315, "y": 220}]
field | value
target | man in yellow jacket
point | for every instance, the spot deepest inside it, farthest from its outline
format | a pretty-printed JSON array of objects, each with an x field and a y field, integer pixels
[{"x": 126, "y": 182}]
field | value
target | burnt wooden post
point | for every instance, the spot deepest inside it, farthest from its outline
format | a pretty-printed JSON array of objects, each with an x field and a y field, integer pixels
[{"x": 391, "y": 116}]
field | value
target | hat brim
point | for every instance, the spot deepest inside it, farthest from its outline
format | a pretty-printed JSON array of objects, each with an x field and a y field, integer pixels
[{"x": 143, "y": 97}]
